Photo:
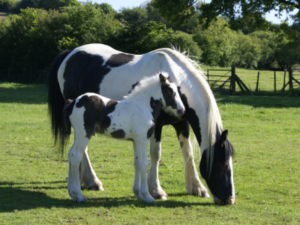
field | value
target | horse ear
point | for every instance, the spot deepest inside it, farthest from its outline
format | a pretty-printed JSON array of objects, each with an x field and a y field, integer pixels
[
  {"x": 162, "y": 79},
  {"x": 224, "y": 137}
]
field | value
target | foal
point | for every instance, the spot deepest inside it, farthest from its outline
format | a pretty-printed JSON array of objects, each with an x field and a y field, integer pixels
[{"x": 132, "y": 118}]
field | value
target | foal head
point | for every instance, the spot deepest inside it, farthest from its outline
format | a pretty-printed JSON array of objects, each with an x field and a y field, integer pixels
[
  {"x": 171, "y": 100},
  {"x": 220, "y": 178}
]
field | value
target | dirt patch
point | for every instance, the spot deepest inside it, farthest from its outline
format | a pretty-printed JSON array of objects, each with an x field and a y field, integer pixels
[{"x": 2, "y": 16}]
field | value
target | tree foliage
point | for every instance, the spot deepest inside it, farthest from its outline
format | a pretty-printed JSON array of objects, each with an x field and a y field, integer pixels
[
  {"x": 34, "y": 37},
  {"x": 31, "y": 39},
  {"x": 176, "y": 11}
]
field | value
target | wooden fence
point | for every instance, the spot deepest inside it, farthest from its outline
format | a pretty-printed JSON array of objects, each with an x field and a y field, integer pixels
[
  {"x": 221, "y": 81},
  {"x": 225, "y": 81}
]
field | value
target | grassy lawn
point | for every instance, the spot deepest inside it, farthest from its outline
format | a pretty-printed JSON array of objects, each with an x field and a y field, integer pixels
[{"x": 264, "y": 130}]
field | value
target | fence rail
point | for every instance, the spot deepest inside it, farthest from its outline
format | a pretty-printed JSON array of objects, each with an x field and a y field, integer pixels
[{"x": 223, "y": 82}]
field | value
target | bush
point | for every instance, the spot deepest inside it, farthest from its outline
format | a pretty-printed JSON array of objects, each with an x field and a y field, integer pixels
[
  {"x": 184, "y": 42},
  {"x": 7, "y": 5},
  {"x": 33, "y": 38}
]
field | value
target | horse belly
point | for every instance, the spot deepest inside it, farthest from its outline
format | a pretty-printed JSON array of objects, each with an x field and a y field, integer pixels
[{"x": 120, "y": 122}]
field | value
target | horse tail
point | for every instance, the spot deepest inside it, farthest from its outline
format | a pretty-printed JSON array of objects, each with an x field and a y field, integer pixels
[
  {"x": 55, "y": 98},
  {"x": 64, "y": 136}
]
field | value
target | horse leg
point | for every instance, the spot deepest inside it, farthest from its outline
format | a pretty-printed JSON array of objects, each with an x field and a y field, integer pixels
[
  {"x": 155, "y": 153},
  {"x": 88, "y": 176},
  {"x": 141, "y": 165},
  {"x": 193, "y": 184},
  {"x": 75, "y": 156},
  {"x": 137, "y": 175}
]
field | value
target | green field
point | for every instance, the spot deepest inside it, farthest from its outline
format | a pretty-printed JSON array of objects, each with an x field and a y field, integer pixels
[{"x": 264, "y": 130}]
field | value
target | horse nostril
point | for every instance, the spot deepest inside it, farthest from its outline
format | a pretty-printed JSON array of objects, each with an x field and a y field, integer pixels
[{"x": 180, "y": 112}]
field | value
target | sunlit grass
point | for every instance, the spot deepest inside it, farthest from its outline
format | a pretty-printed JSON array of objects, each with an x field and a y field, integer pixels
[{"x": 265, "y": 132}]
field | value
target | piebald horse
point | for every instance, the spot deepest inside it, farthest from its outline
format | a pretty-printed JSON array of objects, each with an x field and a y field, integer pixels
[
  {"x": 132, "y": 119},
  {"x": 103, "y": 70}
]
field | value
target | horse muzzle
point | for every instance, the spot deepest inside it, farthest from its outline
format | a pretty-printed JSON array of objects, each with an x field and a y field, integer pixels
[
  {"x": 230, "y": 201},
  {"x": 180, "y": 112}
]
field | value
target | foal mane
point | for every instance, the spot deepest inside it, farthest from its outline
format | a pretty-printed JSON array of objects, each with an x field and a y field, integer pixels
[{"x": 143, "y": 85}]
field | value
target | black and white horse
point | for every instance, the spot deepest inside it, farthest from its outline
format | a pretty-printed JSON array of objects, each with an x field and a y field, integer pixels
[
  {"x": 132, "y": 118},
  {"x": 101, "y": 69}
]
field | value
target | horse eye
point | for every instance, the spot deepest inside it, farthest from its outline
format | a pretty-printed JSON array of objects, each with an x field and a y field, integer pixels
[{"x": 223, "y": 167}]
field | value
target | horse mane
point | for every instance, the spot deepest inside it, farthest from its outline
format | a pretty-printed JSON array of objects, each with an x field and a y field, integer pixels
[
  {"x": 143, "y": 85},
  {"x": 215, "y": 126}
]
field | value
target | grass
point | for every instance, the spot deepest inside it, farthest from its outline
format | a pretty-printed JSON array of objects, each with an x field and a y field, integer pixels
[
  {"x": 249, "y": 77},
  {"x": 264, "y": 131}
]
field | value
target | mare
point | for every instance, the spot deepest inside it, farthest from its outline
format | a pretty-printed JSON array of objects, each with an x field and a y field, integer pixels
[
  {"x": 132, "y": 118},
  {"x": 100, "y": 69}
]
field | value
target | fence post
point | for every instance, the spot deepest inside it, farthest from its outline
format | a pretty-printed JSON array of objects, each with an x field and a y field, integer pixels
[
  {"x": 291, "y": 78},
  {"x": 208, "y": 76},
  {"x": 257, "y": 82},
  {"x": 283, "y": 89},
  {"x": 232, "y": 79},
  {"x": 274, "y": 80}
]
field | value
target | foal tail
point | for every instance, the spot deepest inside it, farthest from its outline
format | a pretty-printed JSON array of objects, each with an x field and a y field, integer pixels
[
  {"x": 55, "y": 98},
  {"x": 64, "y": 136}
]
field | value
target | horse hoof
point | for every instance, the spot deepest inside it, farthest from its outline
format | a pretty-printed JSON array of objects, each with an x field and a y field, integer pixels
[
  {"x": 163, "y": 198},
  {"x": 150, "y": 200},
  {"x": 159, "y": 194},
  {"x": 205, "y": 194},
  {"x": 82, "y": 199},
  {"x": 97, "y": 186}
]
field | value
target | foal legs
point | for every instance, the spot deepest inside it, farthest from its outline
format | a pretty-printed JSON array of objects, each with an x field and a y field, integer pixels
[
  {"x": 75, "y": 156},
  {"x": 193, "y": 184},
  {"x": 153, "y": 181},
  {"x": 140, "y": 187},
  {"x": 88, "y": 176}
]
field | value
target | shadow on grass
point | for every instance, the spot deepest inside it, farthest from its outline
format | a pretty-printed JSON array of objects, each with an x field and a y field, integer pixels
[
  {"x": 23, "y": 93},
  {"x": 260, "y": 101},
  {"x": 16, "y": 199}
]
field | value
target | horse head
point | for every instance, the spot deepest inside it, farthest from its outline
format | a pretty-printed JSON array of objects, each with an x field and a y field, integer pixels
[
  {"x": 172, "y": 101},
  {"x": 220, "y": 178}
]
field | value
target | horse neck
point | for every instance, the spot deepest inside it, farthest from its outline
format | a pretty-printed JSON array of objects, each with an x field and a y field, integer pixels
[
  {"x": 143, "y": 96},
  {"x": 202, "y": 101}
]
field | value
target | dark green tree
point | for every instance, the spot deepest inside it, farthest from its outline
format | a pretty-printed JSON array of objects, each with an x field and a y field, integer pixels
[
  {"x": 251, "y": 12},
  {"x": 56, "y": 4},
  {"x": 106, "y": 8},
  {"x": 176, "y": 11}
]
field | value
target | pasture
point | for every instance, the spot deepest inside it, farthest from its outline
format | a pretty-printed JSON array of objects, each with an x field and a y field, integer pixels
[{"x": 264, "y": 130}]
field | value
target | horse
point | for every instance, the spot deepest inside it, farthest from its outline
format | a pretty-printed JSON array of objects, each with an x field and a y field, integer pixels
[
  {"x": 100, "y": 69},
  {"x": 132, "y": 119}
]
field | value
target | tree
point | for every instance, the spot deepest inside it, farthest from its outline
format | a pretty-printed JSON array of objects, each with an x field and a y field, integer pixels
[
  {"x": 267, "y": 44},
  {"x": 6, "y": 5},
  {"x": 252, "y": 12},
  {"x": 134, "y": 15},
  {"x": 176, "y": 11},
  {"x": 107, "y": 9},
  {"x": 247, "y": 53},
  {"x": 56, "y": 4},
  {"x": 218, "y": 43},
  {"x": 139, "y": 38}
]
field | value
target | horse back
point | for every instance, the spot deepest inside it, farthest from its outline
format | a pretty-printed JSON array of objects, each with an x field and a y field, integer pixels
[{"x": 103, "y": 70}]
